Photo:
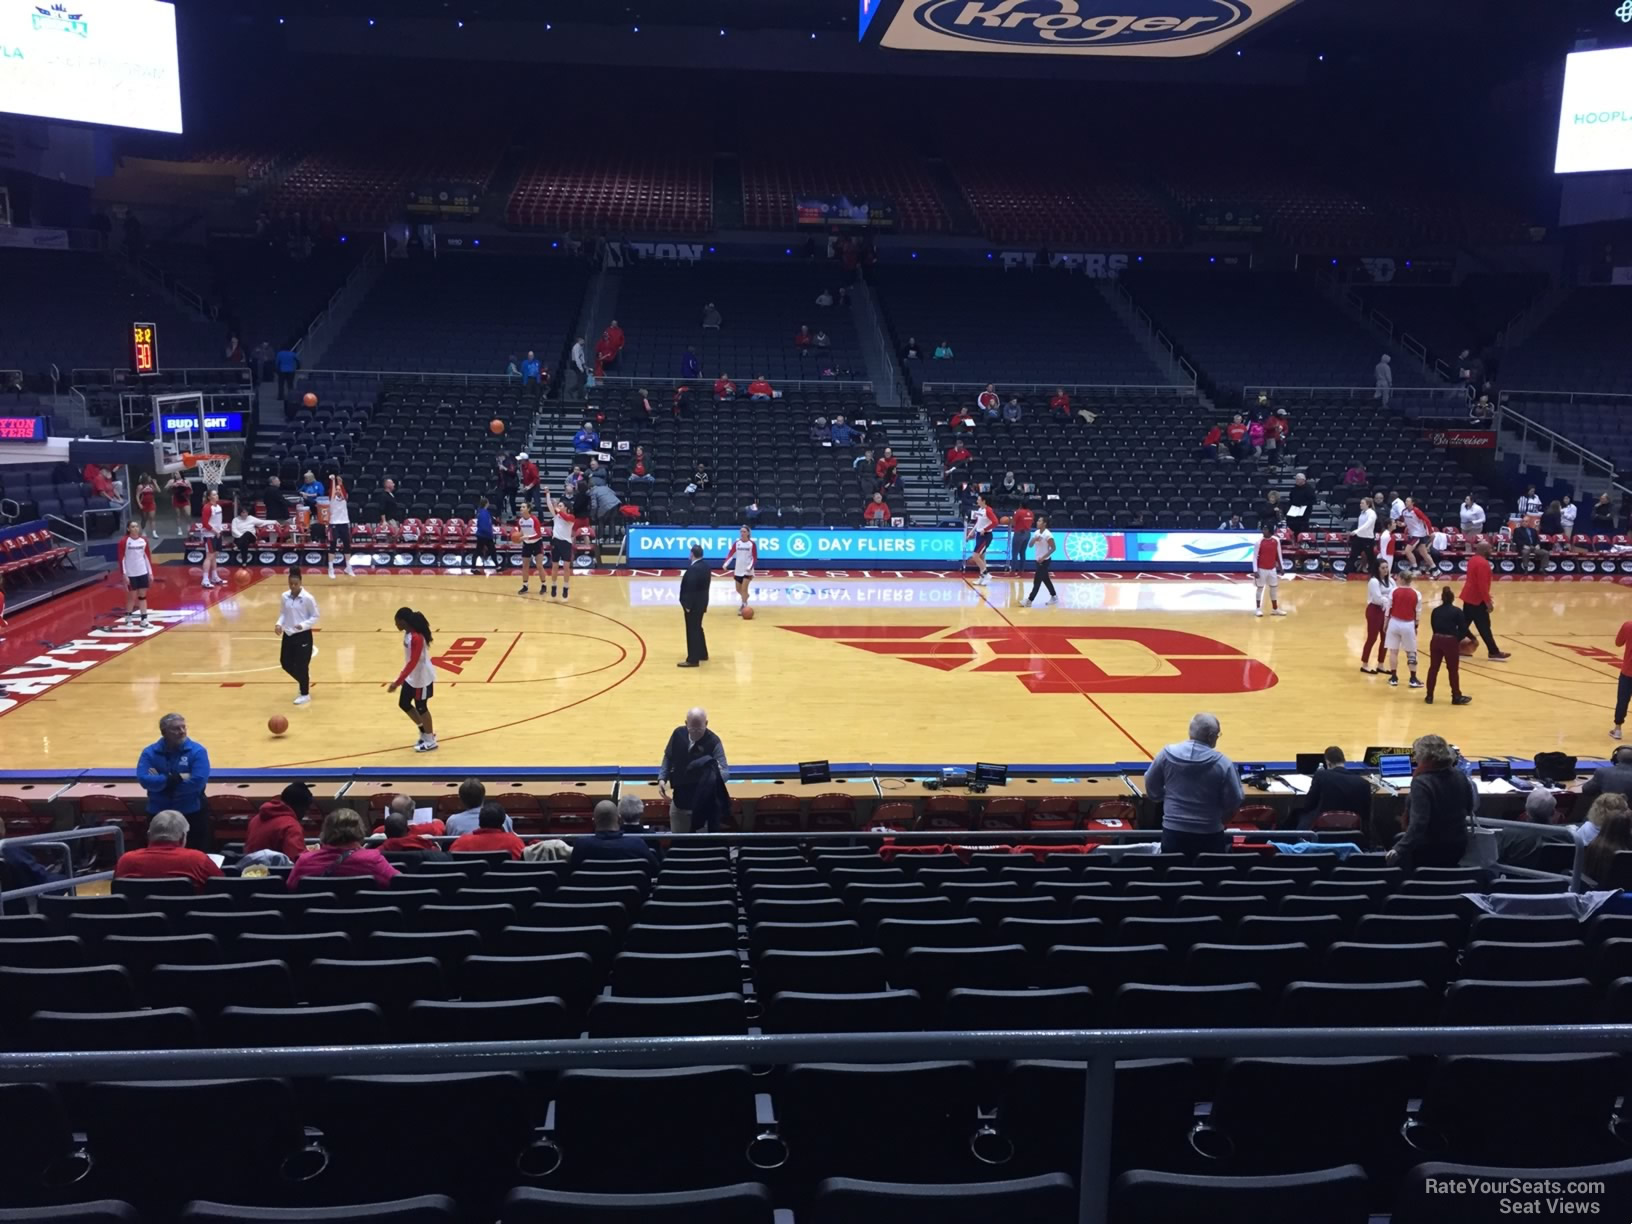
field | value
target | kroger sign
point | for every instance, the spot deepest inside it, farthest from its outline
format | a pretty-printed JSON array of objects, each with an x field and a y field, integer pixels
[{"x": 1171, "y": 29}]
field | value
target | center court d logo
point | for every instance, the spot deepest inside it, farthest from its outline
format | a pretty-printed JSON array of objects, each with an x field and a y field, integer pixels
[{"x": 1048, "y": 660}]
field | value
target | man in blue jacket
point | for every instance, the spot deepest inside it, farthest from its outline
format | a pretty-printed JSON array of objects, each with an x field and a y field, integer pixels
[
  {"x": 609, "y": 841},
  {"x": 1199, "y": 789},
  {"x": 174, "y": 770}
]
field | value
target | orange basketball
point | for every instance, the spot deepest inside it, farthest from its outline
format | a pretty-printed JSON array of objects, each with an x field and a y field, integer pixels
[
  {"x": 1468, "y": 646},
  {"x": 747, "y": 613},
  {"x": 277, "y": 724},
  {"x": 495, "y": 426},
  {"x": 1005, "y": 521},
  {"x": 309, "y": 399}
]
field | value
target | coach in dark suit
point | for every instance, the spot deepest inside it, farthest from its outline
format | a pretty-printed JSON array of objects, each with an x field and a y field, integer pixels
[
  {"x": 1333, "y": 789},
  {"x": 694, "y": 602}
]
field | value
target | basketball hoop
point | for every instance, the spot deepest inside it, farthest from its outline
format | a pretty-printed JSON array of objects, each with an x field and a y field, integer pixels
[{"x": 212, "y": 468}]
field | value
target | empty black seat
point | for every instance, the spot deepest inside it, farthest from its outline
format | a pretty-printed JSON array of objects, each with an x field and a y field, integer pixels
[
  {"x": 743, "y": 1203},
  {"x": 929, "y": 1108},
  {"x": 91, "y": 988},
  {"x": 885, "y": 1011},
  {"x": 1519, "y": 1109},
  {"x": 393, "y": 984},
  {"x": 1176, "y": 933},
  {"x": 541, "y": 1019},
  {"x": 1565, "y": 1001},
  {"x": 207, "y": 988},
  {"x": 932, "y": 972},
  {"x": 1272, "y": 966},
  {"x": 343, "y": 1024},
  {"x": 421, "y": 1209},
  {"x": 157, "y": 1028},
  {"x": 571, "y": 976},
  {"x": 1103, "y": 969},
  {"x": 1367, "y": 962},
  {"x": 1356, "y": 1004},
  {"x": 683, "y": 1016},
  {"x": 1140, "y": 1005},
  {"x": 804, "y": 937},
  {"x": 52, "y": 952},
  {"x": 1067, "y": 1007},
  {"x": 709, "y": 937},
  {"x": 1332, "y": 1196},
  {"x": 651, "y": 975},
  {"x": 1046, "y": 1199},
  {"x": 1521, "y": 962},
  {"x": 856, "y": 970}
]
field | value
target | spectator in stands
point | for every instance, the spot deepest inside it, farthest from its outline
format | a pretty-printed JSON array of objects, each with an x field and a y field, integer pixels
[
  {"x": 943, "y": 351},
  {"x": 1210, "y": 443},
  {"x": 341, "y": 852},
  {"x": 1530, "y": 503},
  {"x": 610, "y": 841},
  {"x": 1441, "y": 805},
  {"x": 1552, "y": 519},
  {"x": 1020, "y": 524},
  {"x": 690, "y": 367},
  {"x": 1232, "y": 523},
  {"x": 264, "y": 356},
  {"x": 530, "y": 367},
  {"x": 841, "y": 433},
  {"x": 276, "y": 826},
  {"x": 1275, "y": 430},
  {"x": 287, "y": 362},
  {"x": 1271, "y": 512},
  {"x": 527, "y": 479},
  {"x": 700, "y": 478},
  {"x": 97, "y": 477},
  {"x": 1614, "y": 778},
  {"x": 1527, "y": 542},
  {"x": 1567, "y": 513},
  {"x": 1009, "y": 486},
  {"x": 821, "y": 432},
  {"x": 404, "y": 806},
  {"x": 760, "y": 389},
  {"x": 28, "y": 869},
  {"x": 711, "y": 317},
  {"x": 1611, "y": 816},
  {"x": 603, "y": 505},
  {"x": 957, "y": 460},
  {"x": 1472, "y": 515},
  {"x": 822, "y": 340},
  {"x": 610, "y": 346},
  {"x": 988, "y": 404},
  {"x": 505, "y": 477},
  {"x": 1332, "y": 789},
  {"x": 724, "y": 388},
  {"x": 1199, "y": 789},
  {"x": 640, "y": 471},
  {"x": 802, "y": 339},
  {"x": 1602, "y": 519},
  {"x": 824, "y": 298},
  {"x": 1481, "y": 411},
  {"x": 512, "y": 368},
  {"x": 1255, "y": 437},
  {"x": 751, "y": 513},
  {"x": 694, "y": 765},
  {"x": 1384, "y": 374},
  {"x": 391, "y": 510},
  {"x": 876, "y": 513},
  {"x": 277, "y": 505},
  {"x": 311, "y": 488},
  {"x": 885, "y": 470},
  {"x": 166, "y": 853},
  {"x": 174, "y": 771},
  {"x": 1300, "y": 502},
  {"x": 1236, "y": 432},
  {"x": 472, "y": 794},
  {"x": 1356, "y": 476},
  {"x": 1540, "y": 806},
  {"x": 403, "y": 838},
  {"x": 1011, "y": 409},
  {"x": 1060, "y": 402},
  {"x": 491, "y": 833},
  {"x": 631, "y": 813},
  {"x": 1395, "y": 504},
  {"x": 910, "y": 350},
  {"x": 586, "y": 441}
]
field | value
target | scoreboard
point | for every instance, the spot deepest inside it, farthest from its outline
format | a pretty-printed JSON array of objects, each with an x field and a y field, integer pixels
[{"x": 144, "y": 348}]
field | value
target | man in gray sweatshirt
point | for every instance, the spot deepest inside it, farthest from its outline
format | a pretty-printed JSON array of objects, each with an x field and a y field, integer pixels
[{"x": 1198, "y": 787}]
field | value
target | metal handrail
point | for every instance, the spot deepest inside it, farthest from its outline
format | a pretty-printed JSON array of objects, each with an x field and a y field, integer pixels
[
  {"x": 69, "y": 880},
  {"x": 1252, "y": 389},
  {"x": 631, "y": 380},
  {"x": 1568, "y": 397},
  {"x": 1167, "y": 388},
  {"x": 1098, "y": 1050},
  {"x": 95, "y": 377},
  {"x": 416, "y": 375}
]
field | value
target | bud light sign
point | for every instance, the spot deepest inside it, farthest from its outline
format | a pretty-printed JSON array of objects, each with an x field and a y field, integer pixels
[
  {"x": 1171, "y": 29},
  {"x": 216, "y": 422}
]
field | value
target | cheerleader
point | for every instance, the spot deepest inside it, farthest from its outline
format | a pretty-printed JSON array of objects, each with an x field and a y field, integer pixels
[
  {"x": 181, "y": 502},
  {"x": 985, "y": 522},
  {"x": 147, "y": 503},
  {"x": 739, "y": 563},
  {"x": 339, "y": 525},
  {"x": 1379, "y": 597},
  {"x": 417, "y": 678},
  {"x": 215, "y": 525},
  {"x": 137, "y": 567}
]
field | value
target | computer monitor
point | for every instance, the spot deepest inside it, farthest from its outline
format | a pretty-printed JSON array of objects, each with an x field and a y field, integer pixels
[
  {"x": 1375, "y": 754},
  {"x": 1309, "y": 762},
  {"x": 814, "y": 771},
  {"x": 992, "y": 775}
]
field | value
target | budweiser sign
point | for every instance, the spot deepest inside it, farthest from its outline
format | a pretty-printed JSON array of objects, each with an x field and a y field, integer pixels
[{"x": 1462, "y": 439}]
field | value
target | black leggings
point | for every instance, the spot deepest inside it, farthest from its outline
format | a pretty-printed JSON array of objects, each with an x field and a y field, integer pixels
[
  {"x": 1362, "y": 549},
  {"x": 485, "y": 548},
  {"x": 296, "y": 659},
  {"x": 1042, "y": 579},
  {"x": 1623, "y": 695}
]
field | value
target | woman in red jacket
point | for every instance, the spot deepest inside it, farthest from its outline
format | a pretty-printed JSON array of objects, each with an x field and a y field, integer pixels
[{"x": 277, "y": 825}]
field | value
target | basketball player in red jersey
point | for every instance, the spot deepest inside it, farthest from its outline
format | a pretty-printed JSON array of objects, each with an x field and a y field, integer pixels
[
  {"x": 985, "y": 522},
  {"x": 215, "y": 523},
  {"x": 1267, "y": 572},
  {"x": 740, "y": 562},
  {"x": 1401, "y": 633},
  {"x": 137, "y": 567},
  {"x": 531, "y": 534}
]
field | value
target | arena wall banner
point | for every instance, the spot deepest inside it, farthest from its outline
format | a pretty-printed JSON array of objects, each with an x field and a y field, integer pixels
[
  {"x": 1171, "y": 29},
  {"x": 1461, "y": 439},
  {"x": 948, "y": 548}
]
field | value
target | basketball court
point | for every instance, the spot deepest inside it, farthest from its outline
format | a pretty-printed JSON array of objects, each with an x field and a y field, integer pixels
[{"x": 884, "y": 669}]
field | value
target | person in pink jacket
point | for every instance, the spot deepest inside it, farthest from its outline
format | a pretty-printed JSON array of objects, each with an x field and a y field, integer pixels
[{"x": 341, "y": 852}]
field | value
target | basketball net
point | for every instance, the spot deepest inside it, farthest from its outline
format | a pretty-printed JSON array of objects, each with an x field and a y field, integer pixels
[{"x": 212, "y": 469}]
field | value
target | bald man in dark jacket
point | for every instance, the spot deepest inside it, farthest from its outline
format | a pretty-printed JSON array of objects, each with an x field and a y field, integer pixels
[{"x": 694, "y": 602}]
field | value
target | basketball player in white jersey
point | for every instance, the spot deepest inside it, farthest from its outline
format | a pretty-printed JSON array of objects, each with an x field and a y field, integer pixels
[
  {"x": 137, "y": 566},
  {"x": 740, "y": 563},
  {"x": 530, "y": 533},
  {"x": 981, "y": 526},
  {"x": 418, "y": 677},
  {"x": 339, "y": 524},
  {"x": 561, "y": 528},
  {"x": 215, "y": 524}
]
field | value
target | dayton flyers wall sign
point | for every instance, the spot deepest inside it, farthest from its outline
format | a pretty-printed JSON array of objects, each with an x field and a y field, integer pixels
[{"x": 1163, "y": 29}]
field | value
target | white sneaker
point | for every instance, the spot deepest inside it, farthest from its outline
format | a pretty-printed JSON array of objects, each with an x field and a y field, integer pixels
[
  {"x": 350, "y": 573},
  {"x": 426, "y": 745},
  {"x": 1258, "y": 612},
  {"x": 1278, "y": 612},
  {"x": 331, "y": 571},
  {"x": 1025, "y": 603},
  {"x": 1614, "y": 733},
  {"x": 303, "y": 699},
  {"x": 983, "y": 580}
]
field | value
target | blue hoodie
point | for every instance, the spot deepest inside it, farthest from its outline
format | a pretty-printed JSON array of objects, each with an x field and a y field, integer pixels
[
  {"x": 174, "y": 777},
  {"x": 1198, "y": 786}
]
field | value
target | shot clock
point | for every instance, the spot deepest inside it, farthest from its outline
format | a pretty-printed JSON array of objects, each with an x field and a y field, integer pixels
[{"x": 144, "y": 348}]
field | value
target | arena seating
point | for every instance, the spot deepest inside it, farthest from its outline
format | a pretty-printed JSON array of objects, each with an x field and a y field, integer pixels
[
  {"x": 79, "y": 310},
  {"x": 1596, "y": 423},
  {"x": 639, "y": 193},
  {"x": 367, "y": 185},
  {"x": 1304, "y": 212},
  {"x": 837, "y": 940},
  {"x": 1042, "y": 327},
  {"x": 1043, "y": 199},
  {"x": 1267, "y": 329},
  {"x": 462, "y": 313},
  {"x": 1581, "y": 346},
  {"x": 773, "y": 182},
  {"x": 1452, "y": 218},
  {"x": 763, "y": 305},
  {"x": 51, "y": 488},
  {"x": 1450, "y": 318},
  {"x": 265, "y": 294}
]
